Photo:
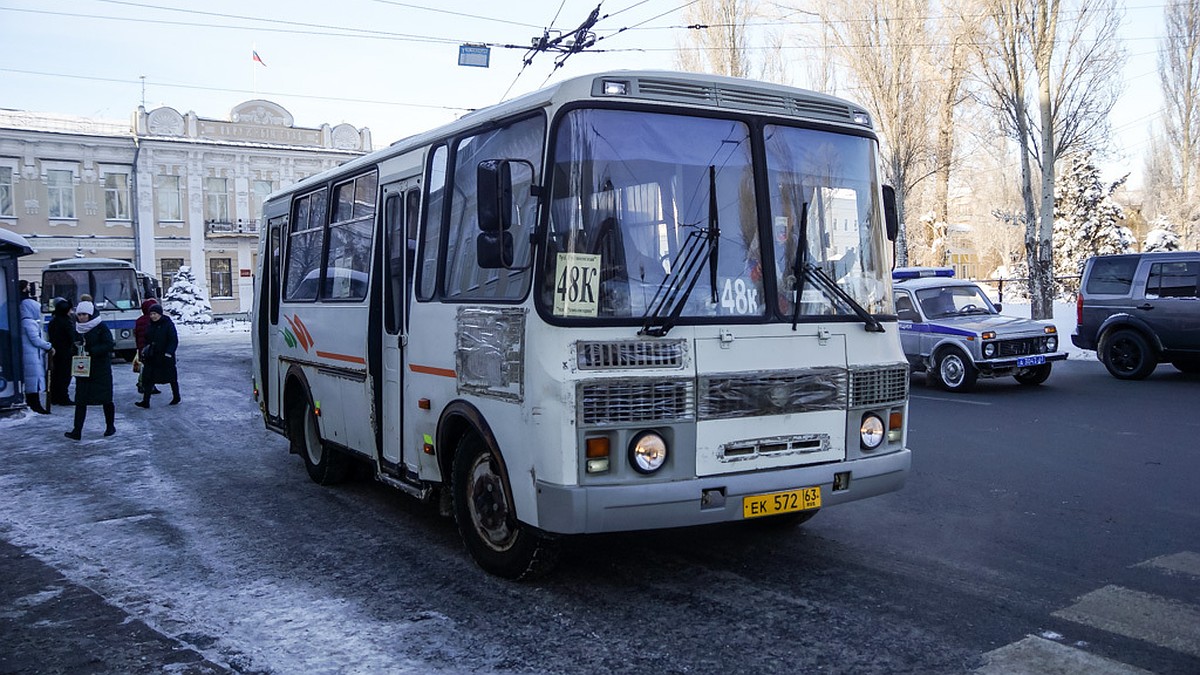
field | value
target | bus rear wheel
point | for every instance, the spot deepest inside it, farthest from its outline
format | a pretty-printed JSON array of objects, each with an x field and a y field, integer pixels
[
  {"x": 487, "y": 521},
  {"x": 325, "y": 465}
]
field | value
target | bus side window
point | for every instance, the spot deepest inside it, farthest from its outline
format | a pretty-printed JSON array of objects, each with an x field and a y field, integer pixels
[
  {"x": 397, "y": 247},
  {"x": 431, "y": 241}
]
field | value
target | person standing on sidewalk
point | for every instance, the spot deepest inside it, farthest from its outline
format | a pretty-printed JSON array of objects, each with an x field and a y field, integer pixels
[
  {"x": 158, "y": 356},
  {"x": 97, "y": 342},
  {"x": 33, "y": 351},
  {"x": 140, "y": 326},
  {"x": 61, "y": 330}
]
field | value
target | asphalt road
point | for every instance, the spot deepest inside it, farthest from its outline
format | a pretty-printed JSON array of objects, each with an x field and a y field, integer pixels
[{"x": 1041, "y": 528}]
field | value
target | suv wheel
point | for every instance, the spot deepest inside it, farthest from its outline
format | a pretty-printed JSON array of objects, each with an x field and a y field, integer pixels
[
  {"x": 954, "y": 371},
  {"x": 1128, "y": 356}
]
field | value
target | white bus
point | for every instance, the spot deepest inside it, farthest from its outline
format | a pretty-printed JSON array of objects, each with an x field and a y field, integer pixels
[
  {"x": 627, "y": 301},
  {"x": 116, "y": 287}
]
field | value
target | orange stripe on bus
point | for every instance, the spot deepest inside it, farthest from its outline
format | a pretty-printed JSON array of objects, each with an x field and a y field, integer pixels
[
  {"x": 430, "y": 370},
  {"x": 342, "y": 357}
]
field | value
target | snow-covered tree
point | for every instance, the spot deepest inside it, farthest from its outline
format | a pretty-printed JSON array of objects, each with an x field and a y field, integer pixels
[
  {"x": 1161, "y": 237},
  {"x": 185, "y": 301},
  {"x": 1086, "y": 221}
]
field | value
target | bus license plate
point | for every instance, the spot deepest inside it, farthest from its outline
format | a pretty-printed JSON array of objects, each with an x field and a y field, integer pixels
[
  {"x": 1026, "y": 361},
  {"x": 804, "y": 499}
]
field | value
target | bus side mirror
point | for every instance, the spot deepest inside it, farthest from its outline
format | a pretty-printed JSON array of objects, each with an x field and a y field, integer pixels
[
  {"x": 890, "y": 218},
  {"x": 494, "y": 250},
  {"x": 495, "y": 193},
  {"x": 494, "y": 186}
]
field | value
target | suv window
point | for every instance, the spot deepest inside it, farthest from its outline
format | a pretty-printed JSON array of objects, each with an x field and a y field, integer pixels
[
  {"x": 1112, "y": 276},
  {"x": 1172, "y": 280}
]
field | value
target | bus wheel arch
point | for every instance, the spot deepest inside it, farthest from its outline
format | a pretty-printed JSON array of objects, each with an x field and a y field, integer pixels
[
  {"x": 325, "y": 464},
  {"x": 482, "y": 499}
]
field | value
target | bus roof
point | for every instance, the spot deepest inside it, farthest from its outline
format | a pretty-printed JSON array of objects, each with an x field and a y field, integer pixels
[
  {"x": 88, "y": 264},
  {"x": 13, "y": 242},
  {"x": 644, "y": 86}
]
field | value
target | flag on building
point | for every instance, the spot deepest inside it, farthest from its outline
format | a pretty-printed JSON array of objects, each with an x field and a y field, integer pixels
[{"x": 258, "y": 58}]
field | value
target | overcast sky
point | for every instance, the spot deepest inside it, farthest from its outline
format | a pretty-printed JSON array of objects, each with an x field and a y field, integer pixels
[{"x": 388, "y": 65}]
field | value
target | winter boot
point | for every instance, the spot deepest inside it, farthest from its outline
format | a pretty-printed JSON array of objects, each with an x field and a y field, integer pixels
[
  {"x": 35, "y": 404},
  {"x": 110, "y": 416}
]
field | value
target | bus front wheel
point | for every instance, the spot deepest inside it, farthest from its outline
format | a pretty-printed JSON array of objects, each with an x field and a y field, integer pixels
[
  {"x": 325, "y": 465},
  {"x": 483, "y": 509}
]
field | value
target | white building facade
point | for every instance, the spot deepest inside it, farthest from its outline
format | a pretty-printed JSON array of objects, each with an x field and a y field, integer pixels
[{"x": 165, "y": 191}]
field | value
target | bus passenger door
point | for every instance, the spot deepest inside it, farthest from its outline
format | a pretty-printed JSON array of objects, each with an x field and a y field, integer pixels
[
  {"x": 270, "y": 373},
  {"x": 400, "y": 222}
]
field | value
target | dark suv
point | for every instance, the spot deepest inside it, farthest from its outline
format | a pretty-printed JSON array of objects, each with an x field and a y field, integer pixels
[{"x": 1138, "y": 310}]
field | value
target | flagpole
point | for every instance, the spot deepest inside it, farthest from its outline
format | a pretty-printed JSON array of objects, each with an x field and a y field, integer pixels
[{"x": 254, "y": 68}]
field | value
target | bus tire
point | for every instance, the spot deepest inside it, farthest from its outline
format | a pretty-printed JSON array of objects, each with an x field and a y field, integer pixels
[
  {"x": 487, "y": 522},
  {"x": 325, "y": 465}
]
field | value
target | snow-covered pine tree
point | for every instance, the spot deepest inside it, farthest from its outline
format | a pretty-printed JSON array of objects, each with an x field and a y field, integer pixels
[
  {"x": 1086, "y": 221},
  {"x": 185, "y": 301},
  {"x": 1161, "y": 237}
]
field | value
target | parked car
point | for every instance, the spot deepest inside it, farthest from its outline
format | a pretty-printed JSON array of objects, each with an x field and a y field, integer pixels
[
  {"x": 1139, "y": 310},
  {"x": 953, "y": 332}
]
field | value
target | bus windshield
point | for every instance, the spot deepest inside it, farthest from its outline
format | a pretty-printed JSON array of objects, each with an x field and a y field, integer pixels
[
  {"x": 650, "y": 204},
  {"x": 833, "y": 177},
  {"x": 110, "y": 288},
  {"x": 633, "y": 198}
]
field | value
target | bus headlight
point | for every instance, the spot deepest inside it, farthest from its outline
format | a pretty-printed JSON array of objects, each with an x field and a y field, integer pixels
[
  {"x": 647, "y": 452},
  {"x": 871, "y": 431}
]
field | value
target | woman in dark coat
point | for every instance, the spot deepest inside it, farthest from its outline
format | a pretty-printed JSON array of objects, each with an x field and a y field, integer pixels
[
  {"x": 158, "y": 356},
  {"x": 97, "y": 388},
  {"x": 62, "y": 337}
]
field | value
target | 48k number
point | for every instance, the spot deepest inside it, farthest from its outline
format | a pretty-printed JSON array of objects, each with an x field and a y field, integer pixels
[{"x": 738, "y": 297}]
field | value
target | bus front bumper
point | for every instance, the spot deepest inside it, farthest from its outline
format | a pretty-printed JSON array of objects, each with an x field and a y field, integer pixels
[{"x": 712, "y": 499}]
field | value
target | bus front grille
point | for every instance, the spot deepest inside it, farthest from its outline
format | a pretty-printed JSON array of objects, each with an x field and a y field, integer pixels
[
  {"x": 878, "y": 386},
  {"x": 626, "y": 354},
  {"x": 627, "y": 401}
]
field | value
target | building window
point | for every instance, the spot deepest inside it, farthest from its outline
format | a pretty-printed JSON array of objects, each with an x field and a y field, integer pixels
[
  {"x": 60, "y": 188},
  {"x": 170, "y": 198},
  {"x": 216, "y": 200},
  {"x": 220, "y": 278},
  {"x": 6, "y": 191},
  {"x": 168, "y": 268},
  {"x": 116, "y": 196},
  {"x": 259, "y": 190}
]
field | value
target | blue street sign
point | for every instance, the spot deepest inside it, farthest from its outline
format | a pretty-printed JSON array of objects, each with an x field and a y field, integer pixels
[{"x": 474, "y": 55}]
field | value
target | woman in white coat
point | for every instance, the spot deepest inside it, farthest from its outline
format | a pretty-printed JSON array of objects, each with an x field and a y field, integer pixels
[{"x": 34, "y": 348}]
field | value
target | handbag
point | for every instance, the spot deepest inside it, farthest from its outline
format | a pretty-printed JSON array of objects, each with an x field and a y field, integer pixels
[{"x": 81, "y": 364}]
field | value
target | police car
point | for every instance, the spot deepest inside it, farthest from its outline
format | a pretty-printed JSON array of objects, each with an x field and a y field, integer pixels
[{"x": 953, "y": 333}]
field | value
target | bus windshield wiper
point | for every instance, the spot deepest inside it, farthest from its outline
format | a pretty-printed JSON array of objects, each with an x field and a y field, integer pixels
[
  {"x": 830, "y": 288},
  {"x": 798, "y": 275},
  {"x": 672, "y": 294}
]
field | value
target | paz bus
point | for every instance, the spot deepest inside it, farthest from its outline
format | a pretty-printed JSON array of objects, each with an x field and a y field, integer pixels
[
  {"x": 116, "y": 287},
  {"x": 628, "y": 301}
]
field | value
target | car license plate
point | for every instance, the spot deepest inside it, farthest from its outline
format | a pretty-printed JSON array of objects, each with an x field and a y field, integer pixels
[
  {"x": 804, "y": 499},
  {"x": 1025, "y": 361}
]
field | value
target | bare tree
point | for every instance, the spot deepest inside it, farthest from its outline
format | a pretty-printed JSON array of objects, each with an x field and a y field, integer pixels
[
  {"x": 1070, "y": 65},
  {"x": 718, "y": 40},
  {"x": 1179, "y": 158},
  {"x": 882, "y": 43}
]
